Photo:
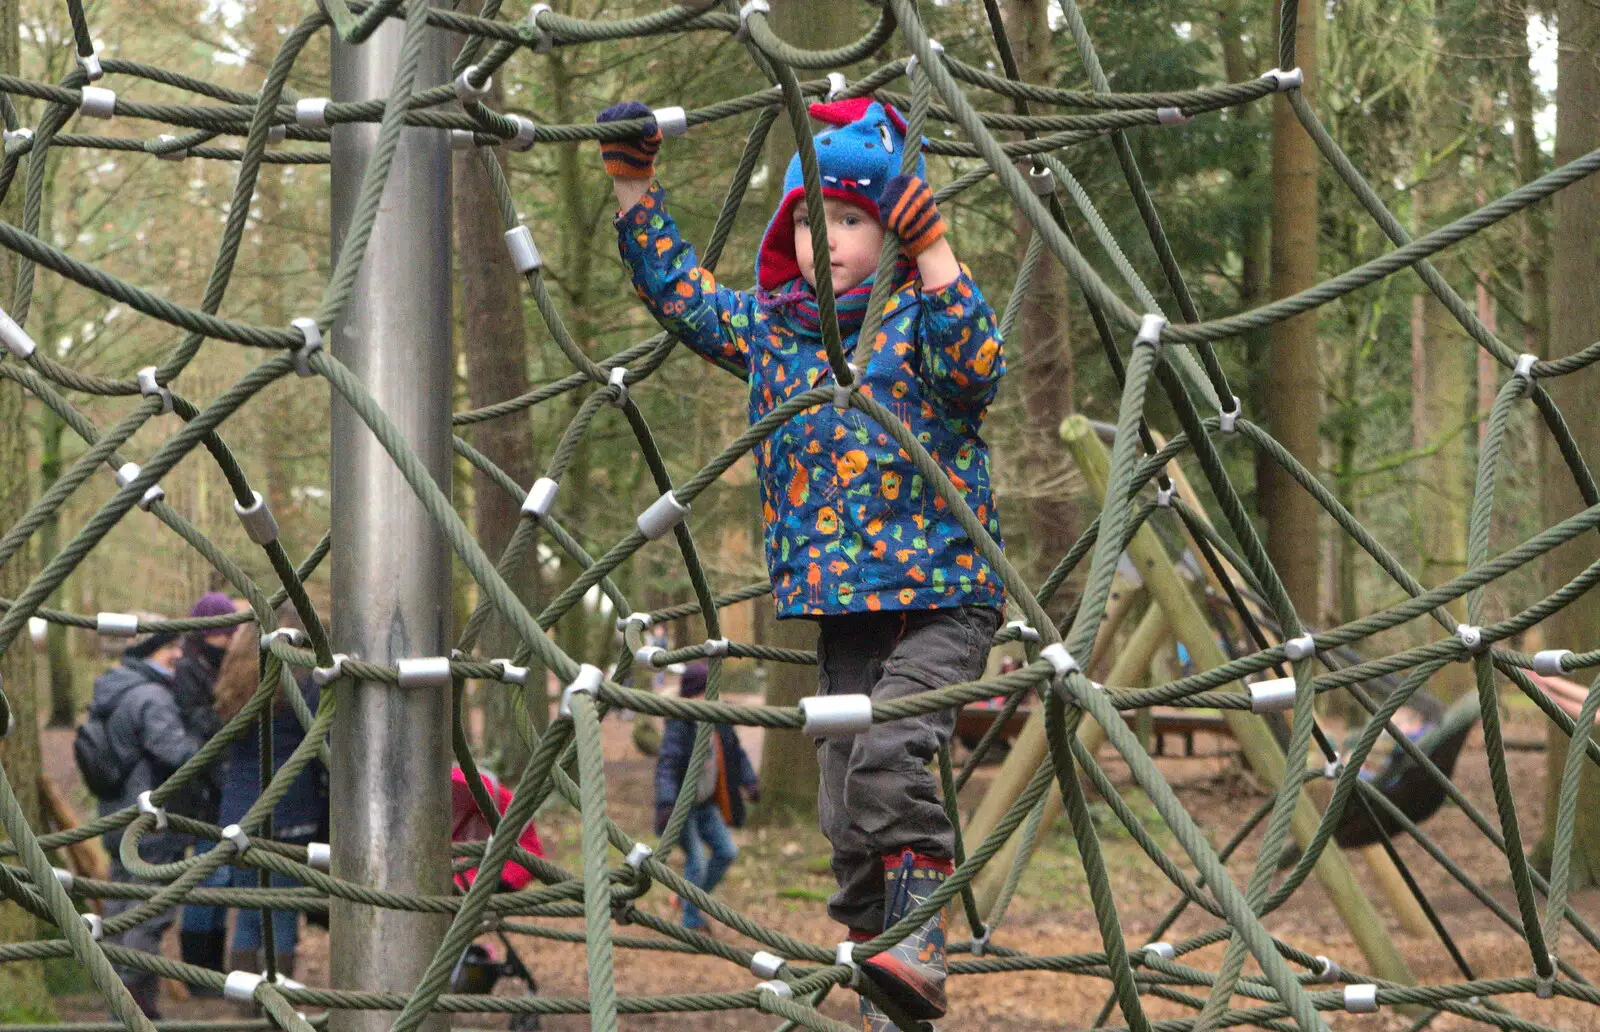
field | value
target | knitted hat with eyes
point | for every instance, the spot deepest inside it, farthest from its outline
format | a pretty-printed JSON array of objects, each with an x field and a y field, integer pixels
[{"x": 857, "y": 156}]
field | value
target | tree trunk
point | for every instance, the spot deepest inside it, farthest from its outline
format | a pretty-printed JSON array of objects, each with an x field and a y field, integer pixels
[
  {"x": 1040, "y": 350},
  {"x": 20, "y": 984},
  {"x": 63, "y": 699},
  {"x": 788, "y": 759},
  {"x": 496, "y": 346},
  {"x": 1574, "y": 322},
  {"x": 1440, "y": 409},
  {"x": 1294, "y": 391}
]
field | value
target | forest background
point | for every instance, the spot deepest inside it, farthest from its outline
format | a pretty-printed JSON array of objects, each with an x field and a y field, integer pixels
[{"x": 1443, "y": 104}]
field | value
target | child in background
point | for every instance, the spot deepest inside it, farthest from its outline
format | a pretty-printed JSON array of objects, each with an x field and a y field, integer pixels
[
  {"x": 719, "y": 804},
  {"x": 856, "y": 539}
]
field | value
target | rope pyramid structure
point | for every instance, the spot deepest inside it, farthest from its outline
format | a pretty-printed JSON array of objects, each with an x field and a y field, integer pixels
[{"x": 1150, "y": 352}]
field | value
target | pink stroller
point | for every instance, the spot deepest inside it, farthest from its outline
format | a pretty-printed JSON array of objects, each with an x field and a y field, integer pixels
[{"x": 478, "y": 971}]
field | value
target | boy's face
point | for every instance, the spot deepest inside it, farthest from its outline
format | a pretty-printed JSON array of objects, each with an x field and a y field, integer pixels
[{"x": 854, "y": 242}]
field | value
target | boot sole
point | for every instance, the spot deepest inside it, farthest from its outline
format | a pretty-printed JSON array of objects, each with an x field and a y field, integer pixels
[{"x": 917, "y": 996}]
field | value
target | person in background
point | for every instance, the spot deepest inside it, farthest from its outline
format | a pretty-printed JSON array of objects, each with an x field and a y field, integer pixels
[
  {"x": 718, "y": 800},
  {"x": 298, "y": 814},
  {"x": 203, "y": 940},
  {"x": 145, "y": 732}
]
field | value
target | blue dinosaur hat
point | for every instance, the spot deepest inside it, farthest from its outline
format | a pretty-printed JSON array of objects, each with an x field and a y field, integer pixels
[{"x": 857, "y": 157}]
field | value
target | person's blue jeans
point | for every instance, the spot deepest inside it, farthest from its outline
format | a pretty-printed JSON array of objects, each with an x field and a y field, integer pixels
[
  {"x": 705, "y": 832},
  {"x": 247, "y": 925},
  {"x": 198, "y": 917}
]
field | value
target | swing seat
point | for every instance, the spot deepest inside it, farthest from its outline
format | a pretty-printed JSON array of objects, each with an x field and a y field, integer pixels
[{"x": 1413, "y": 790}]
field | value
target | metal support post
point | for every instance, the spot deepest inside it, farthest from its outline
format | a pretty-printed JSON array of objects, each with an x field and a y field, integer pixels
[{"x": 391, "y": 565}]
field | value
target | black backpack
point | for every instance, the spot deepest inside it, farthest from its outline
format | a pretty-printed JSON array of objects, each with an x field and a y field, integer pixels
[{"x": 102, "y": 772}]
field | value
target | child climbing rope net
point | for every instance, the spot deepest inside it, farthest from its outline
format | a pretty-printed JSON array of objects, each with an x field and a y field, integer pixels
[{"x": 1143, "y": 346}]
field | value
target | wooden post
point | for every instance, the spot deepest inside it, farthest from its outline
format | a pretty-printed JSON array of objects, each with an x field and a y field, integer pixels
[
  {"x": 1132, "y": 660},
  {"x": 1028, "y": 750},
  {"x": 1192, "y": 628}
]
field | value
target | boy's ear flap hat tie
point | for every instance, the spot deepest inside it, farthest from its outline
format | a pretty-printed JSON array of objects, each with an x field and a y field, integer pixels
[{"x": 857, "y": 156}]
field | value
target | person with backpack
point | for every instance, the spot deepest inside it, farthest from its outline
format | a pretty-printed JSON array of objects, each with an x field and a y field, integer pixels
[
  {"x": 203, "y": 939},
  {"x": 718, "y": 800},
  {"x": 132, "y": 741}
]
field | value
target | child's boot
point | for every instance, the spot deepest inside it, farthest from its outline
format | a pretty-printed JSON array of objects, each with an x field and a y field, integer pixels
[
  {"x": 875, "y": 1020},
  {"x": 912, "y": 973}
]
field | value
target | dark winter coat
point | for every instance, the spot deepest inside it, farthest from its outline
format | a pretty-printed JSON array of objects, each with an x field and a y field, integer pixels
[
  {"x": 672, "y": 765},
  {"x": 145, "y": 730},
  {"x": 194, "y": 682},
  {"x": 303, "y": 809}
]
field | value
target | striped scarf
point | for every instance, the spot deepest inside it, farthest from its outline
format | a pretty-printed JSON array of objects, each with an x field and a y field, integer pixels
[{"x": 800, "y": 301}]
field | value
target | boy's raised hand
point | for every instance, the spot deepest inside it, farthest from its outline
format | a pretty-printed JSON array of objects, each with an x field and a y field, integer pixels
[
  {"x": 633, "y": 158},
  {"x": 909, "y": 212}
]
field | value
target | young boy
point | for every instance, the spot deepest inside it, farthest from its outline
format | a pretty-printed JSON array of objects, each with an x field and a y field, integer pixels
[{"x": 856, "y": 539}]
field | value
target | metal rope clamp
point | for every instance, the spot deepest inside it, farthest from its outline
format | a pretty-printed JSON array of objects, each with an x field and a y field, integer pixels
[
  {"x": 128, "y": 473},
  {"x": 546, "y": 41},
  {"x": 671, "y": 120},
  {"x": 466, "y": 92},
  {"x": 1171, "y": 116},
  {"x": 842, "y": 391},
  {"x": 95, "y": 925},
  {"x": 845, "y": 954},
  {"x": 116, "y": 625},
  {"x": 651, "y": 657},
  {"x": 291, "y": 636},
  {"x": 424, "y": 672},
  {"x": 776, "y": 988},
  {"x": 980, "y": 943},
  {"x": 1164, "y": 496},
  {"x": 541, "y": 498},
  {"x": 463, "y": 139},
  {"x": 717, "y": 647},
  {"x": 171, "y": 155},
  {"x": 259, "y": 524},
  {"x": 1547, "y": 662},
  {"x": 90, "y": 63},
  {"x": 1361, "y": 999},
  {"x": 1274, "y": 696},
  {"x": 64, "y": 878},
  {"x": 17, "y": 340},
  {"x": 524, "y": 252},
  {"x": 1472, "y": 638},
  {"x": 527, "y": 132},
  {"x": 1544, "y": 986},
  {"x": 587, "y": 683},
  {"x": 1163, "y": 950},
  {"x": 1285, "y": 80},
  {"x": 512, "y": 674},
  {"x": 1060, "y": 659},
  {"x": 1025, "y": 631},
  {"x": 837, "y": 84},
  {"x": 751, "y": 7},
  {"x": 664, "y": 513},
  {"x": 642, "y": 619},
  {"x": 766, "y": 965},
  {"x": 146, "y": 806},
  {"x": 1327, "y": 970},
  {"x": 1150, "y": 329},
  {"x": 1303, "y": 647},
  {"x": 836, "y": 716},
  {"x": 21, "y": 134},
  {"x": 619, "y": 380},
  {"x": 319, "y": 856},
  {"x": 97, "y": 102},
  {"x": 311, "y": 343},
  {"x": 235, "y": 834},
  {"x": 311, "y": 112},
  {"x": 151, "y": 389},
  {"x": 1523, "y": 370},
  {"x": 1228, "y": 419},
  {"x": 1042, "y": 180},
  {"x": 324, "y": 676},
  {"x": 934, "y": 47}
]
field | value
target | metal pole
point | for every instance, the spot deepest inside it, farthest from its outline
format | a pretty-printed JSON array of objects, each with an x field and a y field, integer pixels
[{"x": 391, "y": 565}]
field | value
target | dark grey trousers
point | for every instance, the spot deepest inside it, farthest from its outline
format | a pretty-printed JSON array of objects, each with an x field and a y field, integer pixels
[
  {"x": 145, "y": 936},
  {"x": 876, "y": 794}
]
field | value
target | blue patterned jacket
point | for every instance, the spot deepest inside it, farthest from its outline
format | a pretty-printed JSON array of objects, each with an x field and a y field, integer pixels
[{"x": 851, "y": 526}]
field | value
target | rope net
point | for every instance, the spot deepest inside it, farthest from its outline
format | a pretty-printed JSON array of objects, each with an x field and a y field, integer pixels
[{"x": 1285, "y": 988}]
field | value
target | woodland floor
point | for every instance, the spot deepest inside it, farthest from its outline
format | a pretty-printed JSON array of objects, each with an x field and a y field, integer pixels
[{"x": 782, "y": 879}]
